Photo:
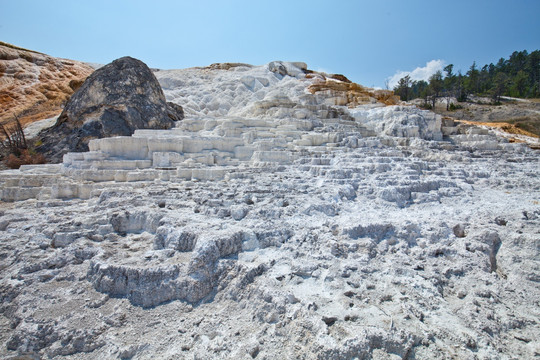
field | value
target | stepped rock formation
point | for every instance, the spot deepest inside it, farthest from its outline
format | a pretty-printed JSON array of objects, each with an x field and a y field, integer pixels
[
  {"x": 275, "y": 222},
  {"x": 35, "y": 86},
  {"x": 278, "y": 90},
  {"x": 115, "y": 100}
]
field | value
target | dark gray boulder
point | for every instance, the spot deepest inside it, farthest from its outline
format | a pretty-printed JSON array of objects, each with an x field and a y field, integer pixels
[
  {"x": 115, "y": 100},
  {"x": 175, "y": 111}
]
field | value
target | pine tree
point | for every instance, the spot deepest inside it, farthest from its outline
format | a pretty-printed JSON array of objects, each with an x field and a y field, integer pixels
[
  {"x": 403, "y": 87},
  {"x": 533, "y": 68},
  {"x": 436, "y": 86},
  {"x": 472, "y": 75},
  {"x": 449, "y": 85},
  {"x": 500, "y": 84},
  {"x": 520, "y": 83}
]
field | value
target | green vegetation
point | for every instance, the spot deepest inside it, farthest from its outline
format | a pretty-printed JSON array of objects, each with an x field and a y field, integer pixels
[{"x": 518, "y": 76}]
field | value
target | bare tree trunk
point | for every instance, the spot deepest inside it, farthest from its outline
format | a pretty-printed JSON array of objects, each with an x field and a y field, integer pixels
[{"x": 15, "y": 139}]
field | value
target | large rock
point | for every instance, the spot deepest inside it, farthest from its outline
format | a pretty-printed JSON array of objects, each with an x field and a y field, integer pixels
[{"x": 115, "y": 100}]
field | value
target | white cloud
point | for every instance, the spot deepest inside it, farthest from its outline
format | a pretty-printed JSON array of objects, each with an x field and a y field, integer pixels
[{"x": 420, "y": 73}]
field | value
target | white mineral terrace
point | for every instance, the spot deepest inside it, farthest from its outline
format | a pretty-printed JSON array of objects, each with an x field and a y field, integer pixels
[
  {"x": 375, "y": 232},
  {"x": 222, "y": 148}
]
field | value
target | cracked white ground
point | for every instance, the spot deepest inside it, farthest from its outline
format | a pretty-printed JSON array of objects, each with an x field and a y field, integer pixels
[{"x": 261, "y": 229}]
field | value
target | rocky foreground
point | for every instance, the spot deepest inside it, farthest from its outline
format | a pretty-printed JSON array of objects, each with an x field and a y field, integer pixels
[{"x": 290, "y": 215}]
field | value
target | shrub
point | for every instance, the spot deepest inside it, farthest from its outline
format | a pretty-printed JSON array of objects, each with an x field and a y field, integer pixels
[
  {"x": 15, "y": 148},
  {"x": 26, "y": 157},
  {"x": 454, "y": 107}
]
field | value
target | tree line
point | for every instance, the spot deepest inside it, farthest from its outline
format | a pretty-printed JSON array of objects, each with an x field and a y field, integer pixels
[{"x": 518, "y": 76}]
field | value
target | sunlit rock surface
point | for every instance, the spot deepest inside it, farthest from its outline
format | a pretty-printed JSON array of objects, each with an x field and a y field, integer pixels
[
  {"x": 35, "y": 86},
  {"x": 274, "y": 222}
]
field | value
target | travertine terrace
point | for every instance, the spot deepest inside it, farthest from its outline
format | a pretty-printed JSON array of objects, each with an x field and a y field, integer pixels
[{"x": 275, "y": 221}]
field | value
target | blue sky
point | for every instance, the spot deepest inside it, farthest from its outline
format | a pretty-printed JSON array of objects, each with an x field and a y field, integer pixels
[{"x": 368, "y": 41}]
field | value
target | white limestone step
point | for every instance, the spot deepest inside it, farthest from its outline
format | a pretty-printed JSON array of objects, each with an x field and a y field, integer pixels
[
  {"x": 204, "y": 149},
  {"x": 41, "y": 169},
  {"x": 29, "y": 180},
  {"x": 19, "y": 193},
  {"x": 280, "y": 157}
]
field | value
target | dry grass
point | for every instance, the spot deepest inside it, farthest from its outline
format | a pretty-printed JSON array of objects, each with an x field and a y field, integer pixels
[
  {"x": 527, "y": 123},
  {"x": 504, "y": 126},
  {"x": 514, "y": 117},
  {"x": 26, "y": 157}
]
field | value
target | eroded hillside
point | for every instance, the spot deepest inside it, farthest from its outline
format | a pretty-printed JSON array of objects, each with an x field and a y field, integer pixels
[{"x": 35, "y": 86}]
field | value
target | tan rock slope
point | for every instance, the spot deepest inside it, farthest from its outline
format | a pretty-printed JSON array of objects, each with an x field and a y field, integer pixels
[
  {"x": 347, "y": 93},
  {"x": 35, "y": 86}
]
